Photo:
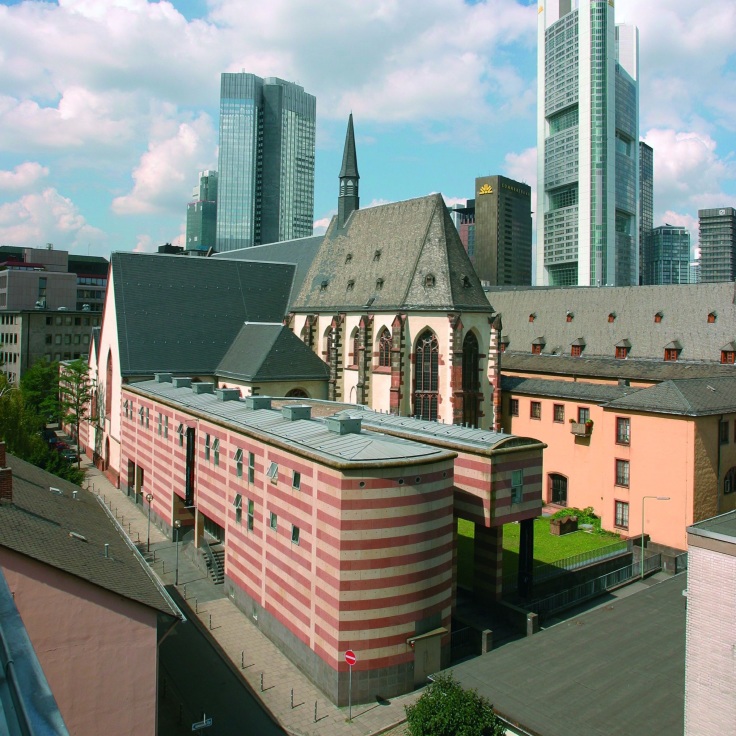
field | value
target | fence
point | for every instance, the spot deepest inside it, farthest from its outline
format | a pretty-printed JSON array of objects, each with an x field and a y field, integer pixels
[{"x": 591, "y": 589}]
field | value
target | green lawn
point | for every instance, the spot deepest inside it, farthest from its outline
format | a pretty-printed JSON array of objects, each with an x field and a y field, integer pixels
[{"x": 547, "y": 548}]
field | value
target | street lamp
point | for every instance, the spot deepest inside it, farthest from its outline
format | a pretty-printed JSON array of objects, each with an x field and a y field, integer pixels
[
  {"x": 149, "y": 498},
  {"x": 644, "y": 498},
  {"x": 177, "y": 526}
]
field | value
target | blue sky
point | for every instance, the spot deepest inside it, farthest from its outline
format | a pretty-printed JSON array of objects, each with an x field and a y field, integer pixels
[{"x": 108, "y": 108}]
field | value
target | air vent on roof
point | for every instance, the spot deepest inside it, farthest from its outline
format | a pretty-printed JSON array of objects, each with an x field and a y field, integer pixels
[
  {"x": 343, "y": 425},
  {"x": 227, "y": 394},
  {"x": 203, "y": 388},
  {"x": 57, "y": 491},
  {"x": 258, "y": 402},
  {"x": 162, "y": 377},
  {"x": 181, "y": 382},
  {"x": 79, "y": 537},
  {"x": 292, "y": 412}
]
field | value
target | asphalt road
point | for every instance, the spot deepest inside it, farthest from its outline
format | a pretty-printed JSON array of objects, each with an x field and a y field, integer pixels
[{"x": 195, "y": 680}]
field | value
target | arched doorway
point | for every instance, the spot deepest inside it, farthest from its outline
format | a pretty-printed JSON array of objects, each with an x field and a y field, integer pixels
[
  {"x": 471, "y": 380},
  {"x": 426, "y": 376},
  {"x": 297, "y": 393}
]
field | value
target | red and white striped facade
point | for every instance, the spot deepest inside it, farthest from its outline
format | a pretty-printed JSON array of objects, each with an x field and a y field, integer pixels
[{"x": 373, "y": 566}]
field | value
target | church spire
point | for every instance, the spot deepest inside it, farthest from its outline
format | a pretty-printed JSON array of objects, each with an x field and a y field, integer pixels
[{"x": 349, "y": 198}]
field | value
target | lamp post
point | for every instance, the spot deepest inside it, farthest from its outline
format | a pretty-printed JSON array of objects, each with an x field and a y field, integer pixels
[
  {"x": 177, "y": 526},
  {"x": 149, "y": 498},
  {"x": 644, "y": 498}
]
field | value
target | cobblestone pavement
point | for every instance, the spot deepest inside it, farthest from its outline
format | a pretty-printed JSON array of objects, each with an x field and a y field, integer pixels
[{"x": 283, "y": 690}]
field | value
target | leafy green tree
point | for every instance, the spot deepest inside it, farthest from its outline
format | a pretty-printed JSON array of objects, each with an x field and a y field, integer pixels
[
  {"x": 40, "y": 388},
  {"x": 75, "y": 394},
  {"x": 445, "y": 709}
]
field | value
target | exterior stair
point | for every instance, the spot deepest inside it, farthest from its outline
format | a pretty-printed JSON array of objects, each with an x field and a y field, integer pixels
[{"x": 216, "y": 565}]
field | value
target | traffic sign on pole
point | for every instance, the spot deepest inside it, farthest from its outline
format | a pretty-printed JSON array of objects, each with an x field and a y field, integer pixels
[{"x": 350, "y": 657}]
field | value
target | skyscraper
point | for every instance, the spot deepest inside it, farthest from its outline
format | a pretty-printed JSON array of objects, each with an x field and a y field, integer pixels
[
  {"x": 503, "y": 231},
  {"x": 667, "y": 256},
  {"x": 266, "y": 161},
  {"x": 717, "y": 244},
  {"x": 587, "y": 146},
  {"x": 202, "y": 213},
  {"x": 646, "y": 202}
]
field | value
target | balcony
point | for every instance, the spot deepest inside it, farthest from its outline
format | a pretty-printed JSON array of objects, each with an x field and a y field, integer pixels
[{"x": 581, "y": 429}]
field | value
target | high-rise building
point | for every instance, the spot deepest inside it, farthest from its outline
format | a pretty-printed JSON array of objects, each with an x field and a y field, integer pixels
[
  {"x": 266, "y": 162},
  {"x": 202, "y": 213},
  {"x": 717, "y": 244},
  {"x": 646, "y": 201},
  {"x": 503, "y": 231},
  {"x": 464, "y": 219},
  {"x": 667, "y": 256},
  {"x": 588, "y": 146}
]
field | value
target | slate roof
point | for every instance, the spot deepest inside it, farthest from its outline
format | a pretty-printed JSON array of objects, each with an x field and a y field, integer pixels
[
  {"x": 615, "y": 671},
  {"x": 38, "y": 524},
  {"x": 180, "y": 314},
  {"x": 270, "y": 352},
  {"x": 684, "y": 307},
  {"x": 690, "y": 397},
  {"x": 349, "y": 158},
  {"x": 300, "y": 252},
  {"x": 309, "y": 437},
  {"x": 381, "y": 260},
  {"x": 448, "y": 435},
  {"x": 600, "y": 393},
  {"x": 645, "y": 370}
]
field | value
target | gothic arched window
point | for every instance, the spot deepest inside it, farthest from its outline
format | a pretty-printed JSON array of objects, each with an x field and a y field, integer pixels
[
  {"x": 426, "y": 376},
  {"x": 471, "y": 379},
  {"x": 385, "y": 343},
  {"x": 108, "y": 384}
]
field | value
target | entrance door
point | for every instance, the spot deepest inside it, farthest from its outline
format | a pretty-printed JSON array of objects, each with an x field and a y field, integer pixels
[
  {"x": 558, "y": 489},
  {"x": 427, "y": 658}
]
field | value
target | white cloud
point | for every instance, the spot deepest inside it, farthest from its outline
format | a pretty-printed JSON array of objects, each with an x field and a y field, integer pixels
[
  {"x": 167, "y": 172},
  {"x": 47, "y": 217},
  {"x": 319, "y": 227},
  {"x": 23, "y": 177},
  {"x": 144, "y": 244}
]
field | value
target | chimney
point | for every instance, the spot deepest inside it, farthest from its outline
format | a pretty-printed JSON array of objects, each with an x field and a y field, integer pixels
[{"x": 6, "y": 478}]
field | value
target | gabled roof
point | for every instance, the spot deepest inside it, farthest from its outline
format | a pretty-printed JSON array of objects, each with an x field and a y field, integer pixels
[
  {"x": 270, "y": 352},
  {"x": 39, "y": 524},
  {"x": 575, "y": 390},
  {"x": 180, "y": 314},
  {"x": 401, "y": 256},
  {"x": 299, "y": 252},
  {"x": 690, "y": 397}
]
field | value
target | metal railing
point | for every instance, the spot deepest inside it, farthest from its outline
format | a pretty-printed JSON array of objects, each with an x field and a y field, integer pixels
[
  {"x": 591, "y": 589},
  {"x": 213, "y": 561}
]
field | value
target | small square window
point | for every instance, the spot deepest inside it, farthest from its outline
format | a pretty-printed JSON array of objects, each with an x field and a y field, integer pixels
[
  {"x": 273, "y": 472},
  {"x": 296, "y": 480},
  {"x": 514, "y": 407},
  {"x": 273, "y": 521},
  {"x": 535, "y": 410},
  {"x": 559, "y": 412},
  {"x": 294, "y": 534}
]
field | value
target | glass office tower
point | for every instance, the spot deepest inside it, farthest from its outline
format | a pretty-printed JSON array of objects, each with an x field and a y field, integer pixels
[
  {"x": 202, "y": 214},
  {"x": 717, "y": 244},
  {"x": 266, "y": 161},
  {"x": 588, "y": 146},
  {"x": 667, "y": 256}
]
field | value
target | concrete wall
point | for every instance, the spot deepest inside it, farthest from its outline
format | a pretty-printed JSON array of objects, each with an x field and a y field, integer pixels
[{"x": 98, "y": 650}]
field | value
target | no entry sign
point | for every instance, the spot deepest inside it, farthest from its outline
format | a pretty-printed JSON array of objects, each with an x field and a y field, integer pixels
[{"x": 350, "y": 657}]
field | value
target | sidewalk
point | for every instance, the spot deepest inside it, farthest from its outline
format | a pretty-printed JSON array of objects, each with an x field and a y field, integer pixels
[{"x": 253, "y": 655}]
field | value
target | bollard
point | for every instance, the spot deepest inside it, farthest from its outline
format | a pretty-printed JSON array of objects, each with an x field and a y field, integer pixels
[
  {"x": 185, "y": 592},
  {"x": 154, "y": 555},
  {"x": 261, "y": 681},
  {"x": 242, "y": 660},
  {"x": 292, "y": 698},
  {"x": 210, "y": 622},
  {"x": 315, "y": 711},
  {"x": 163, "y": 566},
  {"x": 196, "y": 606}
]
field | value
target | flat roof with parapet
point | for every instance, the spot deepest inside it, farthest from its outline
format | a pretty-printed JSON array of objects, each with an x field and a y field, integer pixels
[
  {"x": 307, "y": 437},
  {"x": 721, "y": 527}
]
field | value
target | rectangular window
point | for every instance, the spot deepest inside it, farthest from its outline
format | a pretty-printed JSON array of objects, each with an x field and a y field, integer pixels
[
  {"x": 583, "y": 414},
  {"x": 147, "y": 417},
  {"x": 180, "y": 432},
  {"x": 273, "y": 521},
  {"x": 238, "y": 503},
  {"x": 126, "y": 406},
  {"x": 166, "y": 427},
  {"x": 141, "y": 415},
  {"x": 622, "y": 473},
  {"x": 559, "y": 412},
  {"x": 294, "y": 534},
  {"x": 251, "y": 467},
  {"x": 517, "y": 486},
  {"x": 296, "y": 480},
  {"x": 273, "y": 472},
  {"x": 576, "y": 351},
  {"x": 623, "y": 430},
  {"x": 670, "y": 354},
  {"x": 622, "y": 515},
  {"x": 724, "y": 432},
  {"x": 514, "y": 407},
  {"x": 251, "y": 514},
  {"x": 216, "y": 451},
  {"x": 238, "y": 457},
  {"x": 160, "y": 424},
  {"x": 535, "y": 410},
  {"x": 207, "y": 447}
]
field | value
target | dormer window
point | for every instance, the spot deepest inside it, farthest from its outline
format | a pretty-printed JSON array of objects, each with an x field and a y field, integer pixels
[
  {"x": 712, "y": 317},
  {"x": 323, "y": 285},
  {"x": 658, "y": 317},
  {"x": 569, "y": 317},
  {"x": 672, "y": 351},
  {"x": 429, "y": 280},
  {"x": 348, "y": 258},
  {"x": 532, "y": 317},
  {"x": 377, "y": 255},
  {"x": 728, "y": 357},
  {"x": 466, "y": 282},
  {"x": 538, "y": 345},
  {"x": 611, "y": 317},
  {"x": 503, "y": 344},
  {"x": 351, "y": 284},
  {"x": 379, "y": 284},
  {"x": 622, "y": 349}
]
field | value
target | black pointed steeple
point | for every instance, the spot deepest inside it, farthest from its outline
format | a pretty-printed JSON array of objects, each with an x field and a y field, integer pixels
[{"x": 349, "y": 198}]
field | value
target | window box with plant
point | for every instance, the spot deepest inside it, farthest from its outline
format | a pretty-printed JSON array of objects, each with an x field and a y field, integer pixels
[{"x": 581, "y": 429}]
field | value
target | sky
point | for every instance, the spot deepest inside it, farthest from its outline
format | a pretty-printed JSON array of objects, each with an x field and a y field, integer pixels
[{"x": 109, "y": 108}]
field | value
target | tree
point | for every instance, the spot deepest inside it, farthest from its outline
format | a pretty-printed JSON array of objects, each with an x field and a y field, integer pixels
[
  {"x": 75, "y": 395},
  {"x": 445, "y": 709},
  {"x": 40, "y": 388}
]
